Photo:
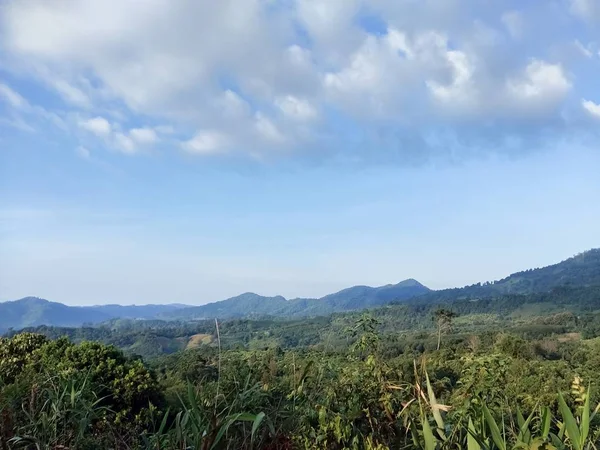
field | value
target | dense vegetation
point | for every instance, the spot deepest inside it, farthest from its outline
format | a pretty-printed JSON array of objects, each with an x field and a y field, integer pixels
[
  {"x": 562, "y": 310},
  {"x": 488, "y": 389},
  {"x": 460, "y": 370}
]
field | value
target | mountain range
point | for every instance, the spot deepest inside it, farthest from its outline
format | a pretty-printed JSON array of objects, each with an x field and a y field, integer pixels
[
  {"x": 33, "y": 311},
  {"x": 580, "y": 270},
  {"x": 254, "y": 305}
]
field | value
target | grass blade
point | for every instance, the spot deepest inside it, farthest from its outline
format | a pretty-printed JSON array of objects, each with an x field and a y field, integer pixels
[{"x": 256, "y": 424}]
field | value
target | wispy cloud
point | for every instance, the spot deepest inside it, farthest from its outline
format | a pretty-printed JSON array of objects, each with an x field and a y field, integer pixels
[{"x": 592, "y": 108}]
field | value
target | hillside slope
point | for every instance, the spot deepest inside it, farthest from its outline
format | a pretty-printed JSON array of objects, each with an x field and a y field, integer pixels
[
  {"x": 579, "y": 271},
  {"x": 33, "y": 311}
]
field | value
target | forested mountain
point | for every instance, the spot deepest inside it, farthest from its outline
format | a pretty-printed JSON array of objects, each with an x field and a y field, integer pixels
[
  {"x": 33, "y": 311},
  {"x": 247, "y": 304},
  {"x": 136, "y": 311},
  {"x": 560, "y": 310},
  {"x": 579, "y": 271},
  {"x": 353, "y": 298}
]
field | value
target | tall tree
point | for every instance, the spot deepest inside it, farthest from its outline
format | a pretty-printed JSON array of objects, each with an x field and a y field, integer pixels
[{"x": 443, "y": 318}]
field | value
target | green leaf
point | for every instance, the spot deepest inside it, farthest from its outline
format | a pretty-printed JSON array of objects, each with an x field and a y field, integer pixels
[
  {"x": 520, "y": 418},
  {"x": 494, "y": 430},
  {"x": 430, "y": 440},
  {"x": 257, "y": 421},
  {"x": 546, "y": 422},
  {"x": 569, "y": 422},
  {"x": 472, "y": 443},
  {"x": 524, "y": 433},
  {"x": 585, "y": 419},
  {"x": 231, "y": 420},
  {"x": 435, "y": 408},
  {"x": 414, "y": 433},
  {"x": 163, "y": 423}
]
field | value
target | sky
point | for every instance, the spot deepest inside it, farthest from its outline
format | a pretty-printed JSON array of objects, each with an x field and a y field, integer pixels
[{"x": 160, "y": 151}]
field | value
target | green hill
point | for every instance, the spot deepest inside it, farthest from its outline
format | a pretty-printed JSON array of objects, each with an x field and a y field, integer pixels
[
  {"x": 579, "y": 271},
  {"x": 33, "y": 311}
]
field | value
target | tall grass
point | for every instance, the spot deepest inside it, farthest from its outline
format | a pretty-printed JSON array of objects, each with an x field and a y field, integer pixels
[
  {"x": 63, "y": 414},
  {"x": 571, "y": 428}
]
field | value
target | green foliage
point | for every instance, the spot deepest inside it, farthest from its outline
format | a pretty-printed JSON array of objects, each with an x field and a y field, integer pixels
[
  {"x": 59, "y": 412},
  {"x": 52, "y": 387}
]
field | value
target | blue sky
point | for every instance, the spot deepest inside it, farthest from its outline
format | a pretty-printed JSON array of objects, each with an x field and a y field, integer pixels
[{"x": 193, "y": 152}]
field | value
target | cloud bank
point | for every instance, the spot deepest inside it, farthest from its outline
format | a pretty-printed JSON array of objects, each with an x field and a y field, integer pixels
[{"x": 346, "y": 79}]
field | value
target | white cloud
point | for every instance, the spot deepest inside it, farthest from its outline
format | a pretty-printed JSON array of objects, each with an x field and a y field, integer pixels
[
  {"x": 17, "y": 123},
  {"x": 153, "y": 61},
  {"x": 585, "y": 51},
  {"x": 143, "y": 135},
  {"x": 13, "y": 98},
  {"x": 273, "y": 69},
  {"x": 206, "y": 142},
  {"x": 233, "y": 105},
  {"x": 541, "y": 82},
  {"x": 165, "y": 129},
  {"x": 331, "y": 25},
  {"x": 376, "y": 74},
  {"x": 268, "y": 130},
  {"x": 296, "y": 108},
  {"x": 462, "y": 72},
  {"x": 97, "y": 125},
  {"x": 71, "y": 93},
  {"x": 588, "y": 10},
  {"x": 514, "y": 23},
  {"x": 125, "y": 143},
  {"x": 83, "y": 152},
  {"x": 592, "y": 108}
]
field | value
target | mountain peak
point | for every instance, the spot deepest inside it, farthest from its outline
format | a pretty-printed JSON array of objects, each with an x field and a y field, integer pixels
[
  {"x": 33, "y": 300},
  {"x": 409, "y": 282}
]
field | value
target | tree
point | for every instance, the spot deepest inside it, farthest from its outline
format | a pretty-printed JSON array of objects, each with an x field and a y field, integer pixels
[
  {"x": 365, "y": 333},
  {"x": 443, "y": 319}
]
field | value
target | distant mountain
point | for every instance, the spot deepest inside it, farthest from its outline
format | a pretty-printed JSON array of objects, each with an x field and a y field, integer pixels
[
  {"x": 33, "y": 311},
  {"x": 579, "y": 271},
  {"x": 136, "y": 311},
  {"x": 365, "y": 296},
  {"x": 244, "y": 305},
  {"x": 353, "y": 298}
]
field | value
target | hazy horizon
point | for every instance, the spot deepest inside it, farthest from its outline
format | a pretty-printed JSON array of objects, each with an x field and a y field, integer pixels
[
  {"x": 275, "y": 294},
  {"x": 161, "y": 154}
]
